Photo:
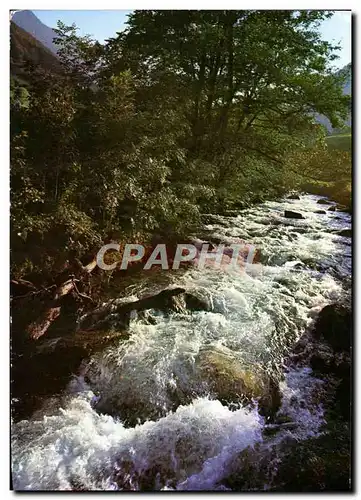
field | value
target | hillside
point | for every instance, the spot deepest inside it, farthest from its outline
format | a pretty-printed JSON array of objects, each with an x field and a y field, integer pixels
[
  {"x": 28, "y": 21},
  {"x": 25, "y": 49},
  {"x": 347, "y": 72},
  {"x": 347, "y": 90}
]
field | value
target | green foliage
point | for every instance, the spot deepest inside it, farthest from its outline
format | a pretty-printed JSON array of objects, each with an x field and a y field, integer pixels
[
  {"x": 323, "y": 170},
  {"x": 19, "y": 95},
  {"x": 185, "y": 111}
]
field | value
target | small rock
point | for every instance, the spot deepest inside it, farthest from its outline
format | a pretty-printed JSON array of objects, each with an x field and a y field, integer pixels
[
  {"x": 271, "y": 429},
  {"x": 332, "y": 209},
  {"x": 293, "y": 197},
  {"x": 323, "y": 201},
  {"x": 323, "y": 212},
  {"x": 289, "y": 214}
]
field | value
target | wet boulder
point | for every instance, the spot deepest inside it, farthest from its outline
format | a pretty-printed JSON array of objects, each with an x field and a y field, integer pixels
[
  {"x": 334, "y": 325},
  {"x": 289, "y": 214},
  {"x": 317, "y": 464},
  {"x": 187, "y": 302},
  {"x": 323, "y": 212},
  {"x": 321, "y": 363},
  {"x": 48, "y": 366},
  {"x": 347, "y": 210},
  {"x": 232, "y": 381},
  {"x": 196, "y": 303},
  {"x": 323, "y": 201},
  {"x": 147, "y": 318},
  {"x": 332, "y": 209},
  {"x": 347, "y": 233},
  {"x": 293, "y": 197},
  {"x": 330, "y": 363}
]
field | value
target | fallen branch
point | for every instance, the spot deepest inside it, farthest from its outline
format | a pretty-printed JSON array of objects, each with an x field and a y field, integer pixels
[
  {"x": 39, "y": 327},
  {"x": 24, "y": 283},
  {"x": 36, "y": 292},
  {"x": 82, "y": 295}
]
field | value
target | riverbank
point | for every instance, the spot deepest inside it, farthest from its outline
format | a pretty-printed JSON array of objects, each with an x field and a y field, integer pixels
[{"x": 338, "y": 191}]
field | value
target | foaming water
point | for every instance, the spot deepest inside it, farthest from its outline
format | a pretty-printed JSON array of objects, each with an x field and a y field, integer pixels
[
  {"x": 145, "y": 418},
  {"x": 301, "y": 402},
  {"x": 80, "y": 449}
]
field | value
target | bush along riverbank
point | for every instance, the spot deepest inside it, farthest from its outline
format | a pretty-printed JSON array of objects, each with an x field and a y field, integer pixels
[{"x": 243, "y": 374}]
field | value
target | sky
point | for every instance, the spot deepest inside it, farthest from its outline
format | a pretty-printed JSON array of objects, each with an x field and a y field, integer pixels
[{"x": 103, "y": 24}]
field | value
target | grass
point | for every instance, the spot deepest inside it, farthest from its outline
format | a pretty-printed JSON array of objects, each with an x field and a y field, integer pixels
[{"x": 340, "y": 141}]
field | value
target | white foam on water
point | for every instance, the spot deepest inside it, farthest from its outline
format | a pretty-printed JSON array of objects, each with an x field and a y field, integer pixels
[
  {"x": 299, "y": 402},
  {"x": 79, "y": 448}
]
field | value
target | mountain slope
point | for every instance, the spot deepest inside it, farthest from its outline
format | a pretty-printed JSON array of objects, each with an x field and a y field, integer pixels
[
  {"x": 347, "y": 72},
  {"x": 28, "y": 21},
  {"x": 25, "y": 49},
  {"x": 347, "y": 90}
]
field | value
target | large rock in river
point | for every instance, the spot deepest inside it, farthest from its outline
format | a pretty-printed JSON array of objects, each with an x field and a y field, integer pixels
[
  {"x": 334, "y": 325},
  {"x": 289, "y": 214},
  {"x": 233, "y": 381}
]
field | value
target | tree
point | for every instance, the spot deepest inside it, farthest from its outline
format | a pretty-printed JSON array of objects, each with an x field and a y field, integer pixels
[{"x": 248, "y": 82}]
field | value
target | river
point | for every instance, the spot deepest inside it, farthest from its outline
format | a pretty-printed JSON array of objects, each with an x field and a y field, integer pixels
[{"x": 140, "y": 416}]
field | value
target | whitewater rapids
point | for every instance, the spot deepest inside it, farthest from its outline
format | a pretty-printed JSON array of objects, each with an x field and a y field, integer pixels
[{"x": 138, "y": 417}]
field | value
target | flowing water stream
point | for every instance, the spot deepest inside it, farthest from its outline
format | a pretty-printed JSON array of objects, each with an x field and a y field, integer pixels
[{"x": 140, "y": 416}]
